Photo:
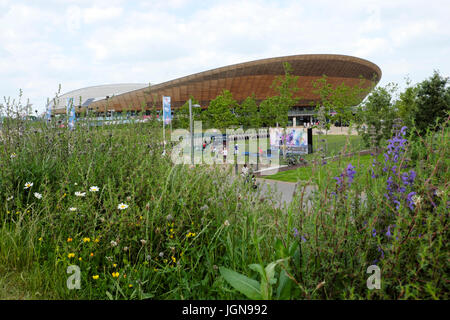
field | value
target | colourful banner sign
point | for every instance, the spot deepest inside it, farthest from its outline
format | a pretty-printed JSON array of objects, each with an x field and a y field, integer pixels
[
  {"x": 167, "y": 114},
  {"x": 71, "y": 113},
  {"x": 49, "y": 112},
  {"x": 292, "y": 140},
  {"x": 296, "y": 138}
]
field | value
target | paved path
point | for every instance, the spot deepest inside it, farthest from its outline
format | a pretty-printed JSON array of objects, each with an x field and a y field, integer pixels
[{"x": 282, "y": 191}]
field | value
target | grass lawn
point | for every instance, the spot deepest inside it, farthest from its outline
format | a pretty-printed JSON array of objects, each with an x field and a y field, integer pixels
[
  {"x": 335, "y": 143},
  {"x": 333, "y": 167}
]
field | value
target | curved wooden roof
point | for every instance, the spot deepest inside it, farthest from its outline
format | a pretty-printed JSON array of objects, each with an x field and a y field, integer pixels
[{"x": 245, "y": 79}]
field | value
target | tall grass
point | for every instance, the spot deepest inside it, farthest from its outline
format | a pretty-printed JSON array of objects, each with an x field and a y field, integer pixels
[{"x": 180, "y": 224}]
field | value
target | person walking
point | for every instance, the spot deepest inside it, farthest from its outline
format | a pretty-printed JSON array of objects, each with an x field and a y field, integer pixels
[{"x": 225, "y": 153}]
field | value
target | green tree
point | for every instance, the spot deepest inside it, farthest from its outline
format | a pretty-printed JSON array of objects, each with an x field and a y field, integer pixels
[
  {"x": 274, "y": 110},
  {"x": 407, "y": 105},
  {"x": 338, "y": 103},
  {"x": 375, "y": 117},
  {"x": 432, "y": 101},
  {"x": 286, "y": 86},
  {"x": 344, "y": 100},
  {"x": 220, "y": 112},
  {"x": 325, "y": 106},
  {"x": 247, "y": 113},
  {"x": 268, "y": 112}
]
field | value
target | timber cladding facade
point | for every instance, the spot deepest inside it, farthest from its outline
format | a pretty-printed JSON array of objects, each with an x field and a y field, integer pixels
[{"x": 245, "y": 79}]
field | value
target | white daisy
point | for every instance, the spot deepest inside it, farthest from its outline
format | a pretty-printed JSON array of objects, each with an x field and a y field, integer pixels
[
  {"x": 122, "y": 206},
  {"x": 94, "y": 189},
  {"x": 28, "y": 185},
  {"x": 13, "y": 155},
  {"x": 72, "y": 209},
  {"x": 9, "y": 198},
  {"x": 80, "y": 194},
  {"x": 38, "y": 195}
]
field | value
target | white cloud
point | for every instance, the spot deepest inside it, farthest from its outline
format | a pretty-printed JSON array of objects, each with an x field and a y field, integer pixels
[
  {"x": 79, "y": 43},
  {"x": 370, "y": 46},
  {"x": 96, "y": 14},
  {"x": 73, "y": 15},
  {"x": 404, "y": 33}
]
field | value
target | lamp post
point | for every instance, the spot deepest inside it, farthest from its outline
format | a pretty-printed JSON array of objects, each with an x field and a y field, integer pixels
[{"x": 191, "y": 123}]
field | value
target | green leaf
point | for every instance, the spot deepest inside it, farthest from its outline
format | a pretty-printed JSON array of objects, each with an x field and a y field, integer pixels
[
  {"x": 270, "y": 269},
  {"x": 284, "y": 286},
  {"x": 266, "y": 291},
  {"x": 248, "y": 287},
  {"x": 147, "y": 295},
  {"x": 260, "y": 269},
  {"x": 293, "y": 247},
  {"x": 109, "y": 295},
  {"x": 280, "y": 249}
]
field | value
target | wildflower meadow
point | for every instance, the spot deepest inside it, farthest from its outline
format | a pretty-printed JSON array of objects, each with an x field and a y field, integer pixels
[{"x": 109, "y": 203}]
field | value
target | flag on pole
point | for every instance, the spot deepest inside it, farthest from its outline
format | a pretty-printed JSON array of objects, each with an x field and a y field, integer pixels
[
  {"x": 49, "y": 112},
  {"x": 167, "y": 114},
  {"x": 71, "y": 113}
]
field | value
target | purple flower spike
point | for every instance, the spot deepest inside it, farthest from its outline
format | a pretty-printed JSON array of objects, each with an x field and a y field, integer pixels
[
  {"x": 410, "y": 201},
  {"x": 403, "y": 130},
  {"x": 388, "y": 233},
  {"x": 382, "y": 252}
]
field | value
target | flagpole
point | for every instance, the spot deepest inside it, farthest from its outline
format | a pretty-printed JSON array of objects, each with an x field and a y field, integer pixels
[{"x": 164, "y": 127}]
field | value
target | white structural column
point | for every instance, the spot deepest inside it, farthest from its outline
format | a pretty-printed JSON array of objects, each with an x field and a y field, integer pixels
[{"x": 294, "y": 121}]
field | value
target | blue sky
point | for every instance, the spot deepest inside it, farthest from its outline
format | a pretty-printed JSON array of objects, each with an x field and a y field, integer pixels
[{"x": 80, "y": 43}]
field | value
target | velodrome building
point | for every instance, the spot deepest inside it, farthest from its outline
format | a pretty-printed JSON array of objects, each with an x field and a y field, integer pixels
[{"x": 242, "y": 80}]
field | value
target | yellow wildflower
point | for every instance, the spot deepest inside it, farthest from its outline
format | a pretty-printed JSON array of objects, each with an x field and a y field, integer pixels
[
  {"x": 92, "y": 254},
  {"x": 40, "y": 239},
  {"x": 86, "y": 239},
  {"x": 80, "y": 258},
  {"x": 95, "y": 277},
  {"x": 71, "y": 255},
  {"x": 130, "y": 285},
  {"x": 69, "y": 239},
  {"x": 115, "y": 274},
  {"x": 114, "y": 265},
  {"x": 96, "y": 240},
  {"x": 174, "y": 259}
]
